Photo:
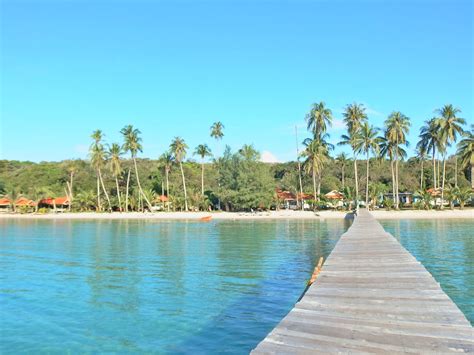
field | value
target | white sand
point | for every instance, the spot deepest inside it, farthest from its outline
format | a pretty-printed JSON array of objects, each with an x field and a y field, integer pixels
[{"x": 283, "y": 214}]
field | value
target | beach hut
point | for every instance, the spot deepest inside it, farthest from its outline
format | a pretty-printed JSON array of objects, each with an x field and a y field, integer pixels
[
  {"x": 5, "y": 205},
  {"x": 287, "y": 199},
  {"x": 334, "y": 195},
  {"x": 59, "y": 204},
  {"x": 25, "y": 203}
]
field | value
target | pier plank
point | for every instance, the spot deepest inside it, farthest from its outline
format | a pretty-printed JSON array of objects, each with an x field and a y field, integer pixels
[{"x": 372, "y": 296}]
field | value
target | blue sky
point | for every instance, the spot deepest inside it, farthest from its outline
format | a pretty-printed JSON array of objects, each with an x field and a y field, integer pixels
[{"x": 172, "y": 68}]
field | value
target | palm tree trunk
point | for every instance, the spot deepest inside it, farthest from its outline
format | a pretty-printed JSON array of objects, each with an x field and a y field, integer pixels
[
  {"x": 105, "y": 191},
  {"x": 118, "y": 194},
  {"x": 99, "y": 207},
  {"x": 439, "y": 174},
  {"x": 126, "y": 193},
  {"x": 367, "y": 185},
  {"x": 319, "y": 185},
  {"x": 455, "y": 171},
  {"x": 356, "y": 183},
  {"x": 444, "y": 177},
  {"x": 343, "y": 184},
  {"x": 314, "y": 184},
  {"x": 396, "y": 183},
  {"x": 168, "y": 189},
  {"x": 434, "y": 168},
  {"x": 421, "y": 176},
  {"x": 139, "y": 185},
  {"x": 184, "y": 187},
  {"x": 202, "y": 178},
  {"x": 393, "y": 179}
]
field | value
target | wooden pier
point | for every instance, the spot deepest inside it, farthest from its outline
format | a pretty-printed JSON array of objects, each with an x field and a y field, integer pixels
[{"x": 372, "y": 296}]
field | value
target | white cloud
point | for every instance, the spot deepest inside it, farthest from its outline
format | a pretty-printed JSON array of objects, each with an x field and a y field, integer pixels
[{"x": 268, "y": 157}]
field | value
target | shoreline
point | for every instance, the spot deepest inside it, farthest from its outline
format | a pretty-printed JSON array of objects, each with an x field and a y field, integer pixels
[{"x": 270, "y": 215}]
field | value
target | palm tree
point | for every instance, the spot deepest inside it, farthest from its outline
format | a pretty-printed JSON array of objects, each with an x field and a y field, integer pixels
[
  {"x": 203, "y": 151},
  {"x": 318, "y": 119},
  {"x": 430, "y": 141},
  {"x": 179, "y": 147},
  {"x": 133, "y": 145},
  {"x": 366, "y": 141},
  {"x": 249, "y": 153},
  {"x": 166, "y": 161},
  {"x": 343, "y": 160},
  {"x": 397, "y": 126},
  {"x": 114, "y": 154},
  {"x": 465, "y": 152},
  {"x": 98, "y": 158},
  {"x": 317, "y": 154},
  {"x": 463, "y": 196},
  {"x": 354, "y": 115},
  {"x": 217, "y": 133},
  {"x": 450, "y": 127},
  {"x": 421, "y": 155},
  {"x": 217, "y": 130}
]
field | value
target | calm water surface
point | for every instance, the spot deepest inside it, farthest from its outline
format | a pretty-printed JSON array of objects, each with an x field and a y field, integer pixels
[
  {"x": 446, "y": 249},
  {"x": 141, "y": 286}
]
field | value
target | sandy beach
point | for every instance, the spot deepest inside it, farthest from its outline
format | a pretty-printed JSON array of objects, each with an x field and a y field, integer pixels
[{"x": 282, "y": 214}]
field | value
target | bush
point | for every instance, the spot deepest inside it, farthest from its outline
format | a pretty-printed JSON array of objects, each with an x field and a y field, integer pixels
[
  {"x": 43, "y": 210},
  {"x": 388, "y": 204}
]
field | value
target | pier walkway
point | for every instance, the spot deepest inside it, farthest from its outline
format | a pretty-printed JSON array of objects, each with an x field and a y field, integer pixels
[{"x": 372, "y": 296}]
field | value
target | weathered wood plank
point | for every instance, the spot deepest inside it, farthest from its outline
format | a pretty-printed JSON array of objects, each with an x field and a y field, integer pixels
[{"x": 372, "y": 296}]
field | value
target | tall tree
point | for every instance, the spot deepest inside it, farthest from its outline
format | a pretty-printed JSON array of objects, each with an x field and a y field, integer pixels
[
  {"x": 354, "y": 115},
  {"x": 203, "y": 151},
  {"x": 318, "y": 119},
  {"x": 179, "y": 147},
  {"x": 450, "y": 127},
  {"x": 397, "y": 126},
  {"x": 465, "y": 153},
  {"x": 430, "y": 142},
  {"x": 421, "y": 155},
  {"x": 343, "y": 160},
  {"x": 98, "y": 159},
  {"x": 114, "y": 155},
  {"x": 217, "y": 132},
  {"x": 317, "y": 154},
  {"x": 366, "y": 141},
  {"x": 166, "y": 161},
  {"x": 388, "y": 149},
  {"x": 133, "y": 145}
]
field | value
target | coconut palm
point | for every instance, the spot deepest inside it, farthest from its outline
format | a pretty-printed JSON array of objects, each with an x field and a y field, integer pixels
[
  {"x": 464, "y": 195},
  {"x": 203, "y": 151},
  {"x": 425, "y": 199},
  {"x": 133, "y": 145},
  {"x": 430, "y": 142},
  {"x": 465, "y": 152},
  {"x": 317, "y": 154},
  {"x": 354, "y": 115},
  {"x": 318, "y": 119},
  {"x": 166, "y": 161},
  {"x": 366, "y": 141},
  {"x": 217, "y": 129},
  {"x": 178, "y": 147},
  {"x": 397, "y": 126},
  {"x": 343, "y": 160},
  {"x": 249, "y": 153},
  {"x": 387, "y": 151},
  {"x": 98, "y": 160},
  {"x": 114, "y": 154},
  {"x": 421, "y": 155},
  {"x": 450, "y": 126}
]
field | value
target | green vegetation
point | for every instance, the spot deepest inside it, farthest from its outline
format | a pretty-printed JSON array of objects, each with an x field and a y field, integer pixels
[{"x": 239, "y": 181}]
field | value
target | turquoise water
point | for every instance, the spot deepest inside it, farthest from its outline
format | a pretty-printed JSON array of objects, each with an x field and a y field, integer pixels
[
  {"x": 162, "y": 287},
  {"x": 446, "y": 249}
]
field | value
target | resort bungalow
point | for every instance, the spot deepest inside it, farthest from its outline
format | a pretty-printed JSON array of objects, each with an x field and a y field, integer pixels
[
  {"x": 5, "y": 205},
  {"x": 58, "y": 204},
  {"x": 404, "y": 198},
  {"x": 287, "y": 200},
  {"x": 160, "y": 202},
  {"x": 335, "y": 199},
  {"x": 24, "y": 203}
]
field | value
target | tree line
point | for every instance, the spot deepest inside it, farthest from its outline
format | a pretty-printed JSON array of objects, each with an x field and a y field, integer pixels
[{"x": 239, "y": 181}]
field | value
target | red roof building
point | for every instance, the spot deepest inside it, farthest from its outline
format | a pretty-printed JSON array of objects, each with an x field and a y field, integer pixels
[
  {"x": 23, "y": 201},
  {"x": 4, "y": 202},
  {"x": 58, "y": 201}
]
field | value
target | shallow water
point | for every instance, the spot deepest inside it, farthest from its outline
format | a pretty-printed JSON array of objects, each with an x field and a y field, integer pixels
[
  {"x": 147, "y": 286},
  {"x": 446, "y": 249},
  {"x": 183, "y": 287}
]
